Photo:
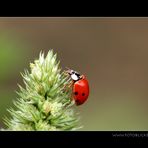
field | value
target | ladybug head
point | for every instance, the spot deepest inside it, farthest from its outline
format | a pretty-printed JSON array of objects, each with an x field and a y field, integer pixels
[{"x": 74, "y": 75}]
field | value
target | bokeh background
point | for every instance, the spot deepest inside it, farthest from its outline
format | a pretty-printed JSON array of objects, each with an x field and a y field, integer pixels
[{"x": 111, "y": 52}]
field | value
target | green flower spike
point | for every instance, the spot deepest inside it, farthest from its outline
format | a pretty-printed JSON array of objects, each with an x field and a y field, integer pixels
[{"x": 45, "y": 102}]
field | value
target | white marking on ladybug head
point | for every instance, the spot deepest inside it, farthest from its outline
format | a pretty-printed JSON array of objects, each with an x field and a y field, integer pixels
[
  {"x": 73, "y": 74},
  {"x": 75, "y": 77}
]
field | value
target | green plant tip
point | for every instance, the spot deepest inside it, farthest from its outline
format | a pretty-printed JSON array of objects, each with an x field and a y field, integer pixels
[{"x": 45, "y": 101}]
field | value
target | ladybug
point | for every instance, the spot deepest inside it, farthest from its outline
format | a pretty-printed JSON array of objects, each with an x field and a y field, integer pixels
[{"x": 80, "y": 87}]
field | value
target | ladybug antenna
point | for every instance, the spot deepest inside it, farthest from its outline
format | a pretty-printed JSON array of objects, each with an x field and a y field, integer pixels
[
  {"x": 67, "y": 68},
  {"x": 69, "y": 71}
]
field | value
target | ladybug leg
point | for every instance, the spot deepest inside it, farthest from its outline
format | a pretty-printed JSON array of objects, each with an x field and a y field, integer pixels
[
  {"x": 71, "y": 102},
  {"x": 70, "y": 85},
  {"x": 67, "y": 86},
  {"x": 71, "y": 96},
  {"x": 82, "y": 76},
  {"x": 67, "y": 72}
]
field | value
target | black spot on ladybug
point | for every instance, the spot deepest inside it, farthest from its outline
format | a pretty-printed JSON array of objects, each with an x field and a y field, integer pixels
[
  {"x": 76, "y": 93},
  {"x": 83, "y": 94},
  {"x": 77, "y": 102}
]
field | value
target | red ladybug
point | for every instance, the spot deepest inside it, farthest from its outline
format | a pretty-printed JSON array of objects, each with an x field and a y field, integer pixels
[{"x": 80, "y": 87}]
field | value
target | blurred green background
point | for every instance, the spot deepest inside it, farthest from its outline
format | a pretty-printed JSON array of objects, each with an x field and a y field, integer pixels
[{"x": 111, "y": 52}]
